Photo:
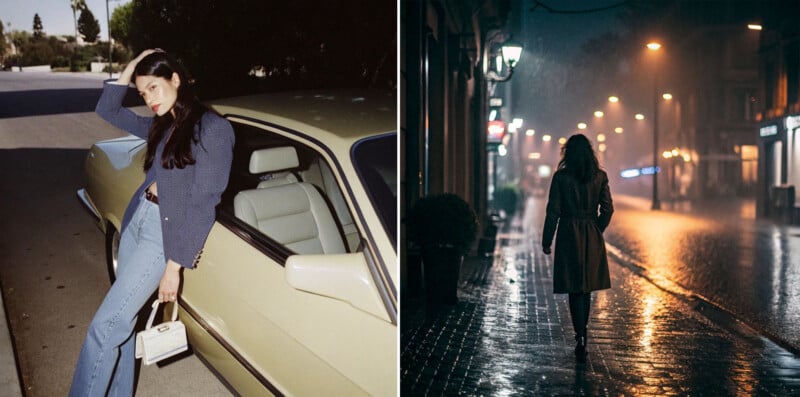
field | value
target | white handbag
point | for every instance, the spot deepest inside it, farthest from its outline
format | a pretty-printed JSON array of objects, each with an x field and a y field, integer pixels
[{"x": 162, "y": 341}]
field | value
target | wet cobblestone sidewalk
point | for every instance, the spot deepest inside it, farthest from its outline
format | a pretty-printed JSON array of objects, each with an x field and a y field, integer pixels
[{"x": 509, "y": 335}]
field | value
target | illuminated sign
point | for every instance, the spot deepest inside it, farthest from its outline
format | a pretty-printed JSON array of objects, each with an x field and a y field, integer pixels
[
  {"x": 636, "y": 172},
  {"x": 495, "y": 131},
  {"x": 496, "y": 102},
  {"x": 769, "y": 130}
]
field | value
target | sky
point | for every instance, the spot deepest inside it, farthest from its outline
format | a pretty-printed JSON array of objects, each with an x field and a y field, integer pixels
[{"x": 56, "y": 15}]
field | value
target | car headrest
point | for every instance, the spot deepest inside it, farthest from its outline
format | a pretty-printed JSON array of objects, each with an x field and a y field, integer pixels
[{"x": 273, "y": 159}]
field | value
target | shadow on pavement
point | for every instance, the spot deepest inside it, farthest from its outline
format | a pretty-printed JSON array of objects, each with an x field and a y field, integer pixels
[{"x": 46, "y": 102}]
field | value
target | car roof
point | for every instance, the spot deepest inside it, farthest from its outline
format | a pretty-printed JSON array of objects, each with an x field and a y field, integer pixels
[{"x": 347, "y": 114}]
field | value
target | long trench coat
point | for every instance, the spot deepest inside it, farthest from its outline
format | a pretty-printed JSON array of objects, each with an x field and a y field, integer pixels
[{"x": 580, "y": 213}]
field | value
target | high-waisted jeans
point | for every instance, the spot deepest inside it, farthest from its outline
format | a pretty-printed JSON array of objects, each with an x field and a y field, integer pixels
[{"x": 106, "y": 362}]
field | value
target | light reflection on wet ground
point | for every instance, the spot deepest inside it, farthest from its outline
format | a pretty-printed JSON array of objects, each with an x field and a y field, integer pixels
[
  {"x": 721, "y": 252},
  {"x": 510, "y": 336}
]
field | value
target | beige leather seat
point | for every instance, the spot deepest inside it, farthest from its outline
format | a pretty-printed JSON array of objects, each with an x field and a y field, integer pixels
[
  {"x": 290, "y": 212},
  {"x": 319, "y": 174}
]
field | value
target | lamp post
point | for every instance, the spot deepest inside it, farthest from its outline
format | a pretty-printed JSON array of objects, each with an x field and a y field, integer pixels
[
  {"x": 110, "y": 47},
  {"x": 654, "y": 46},
  {"x": 509, "y": 55}
]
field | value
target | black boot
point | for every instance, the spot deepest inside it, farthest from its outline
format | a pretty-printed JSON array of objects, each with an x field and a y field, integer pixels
[{"x": 580, "y": 349}]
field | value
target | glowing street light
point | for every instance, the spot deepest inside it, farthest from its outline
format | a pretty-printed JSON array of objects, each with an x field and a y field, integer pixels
[
  {"x": 598, "y": 114},
  {"x": 546, "y": 137},
  {"x": 530, "y": 132},
  {"x": 667, "y": 96},
  {"x": 754, "y": 26},
  {"x": 562, "y": 140},
  {"x": 618, "y": 130},
  {"x": 601, "y": 137},
  {"x": 639, "y": 116},
  {"x": 582, "y": 126},
  {"x": 613, "y": 99},
  {"x": 654, "y": 47}
]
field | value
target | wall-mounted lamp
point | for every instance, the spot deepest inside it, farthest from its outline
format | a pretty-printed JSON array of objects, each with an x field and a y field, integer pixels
[{"x": 511, "y": 53}]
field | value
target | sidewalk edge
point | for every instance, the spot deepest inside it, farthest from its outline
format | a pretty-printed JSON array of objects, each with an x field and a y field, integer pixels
[
  {"x": 10, "y": 379},
  {"x": 702, "y": 305}
]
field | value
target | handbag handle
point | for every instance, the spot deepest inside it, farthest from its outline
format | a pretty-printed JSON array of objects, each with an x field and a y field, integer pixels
[{"x": 153, "y": 312}]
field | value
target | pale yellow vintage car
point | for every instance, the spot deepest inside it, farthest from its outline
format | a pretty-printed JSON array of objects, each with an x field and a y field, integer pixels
[{"x": 296, "y": 290}]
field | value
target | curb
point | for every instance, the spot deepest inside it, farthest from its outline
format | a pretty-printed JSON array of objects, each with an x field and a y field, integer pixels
[
  {"x": 9, "y": 371},
  {"x": 702, "y": 305}
]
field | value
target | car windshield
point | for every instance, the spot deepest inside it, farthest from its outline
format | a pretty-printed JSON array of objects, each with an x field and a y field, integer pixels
[{"x": 376, "y": 162}]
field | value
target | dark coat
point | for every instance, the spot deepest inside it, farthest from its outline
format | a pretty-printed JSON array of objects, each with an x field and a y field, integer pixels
[{"x": 581, "y": 212}]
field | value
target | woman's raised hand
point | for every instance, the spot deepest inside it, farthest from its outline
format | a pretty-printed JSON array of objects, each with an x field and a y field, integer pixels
[{"x": 127, "y": 73}]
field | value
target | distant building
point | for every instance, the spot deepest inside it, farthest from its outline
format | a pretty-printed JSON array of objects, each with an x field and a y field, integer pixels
[{"x": 779, "y": 115}]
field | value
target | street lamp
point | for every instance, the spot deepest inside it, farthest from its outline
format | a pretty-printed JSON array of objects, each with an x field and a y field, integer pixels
[
  {"x": 654, "y": 46},
  {"x": 510, "y": 52},
  {"x": 108, "y": 27}
]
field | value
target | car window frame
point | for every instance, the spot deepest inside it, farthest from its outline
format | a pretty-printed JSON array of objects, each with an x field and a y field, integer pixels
[{"x": 278, "y": 252}]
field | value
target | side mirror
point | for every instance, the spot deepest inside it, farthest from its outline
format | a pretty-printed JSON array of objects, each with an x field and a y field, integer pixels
[{"x": 343, "y": 277}]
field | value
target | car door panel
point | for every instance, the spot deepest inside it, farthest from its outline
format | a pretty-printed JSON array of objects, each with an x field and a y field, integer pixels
[{"x": 283, "y": 333}]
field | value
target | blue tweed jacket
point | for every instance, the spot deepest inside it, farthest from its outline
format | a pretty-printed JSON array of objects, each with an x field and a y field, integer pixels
[{"x": 187, "y": 197}]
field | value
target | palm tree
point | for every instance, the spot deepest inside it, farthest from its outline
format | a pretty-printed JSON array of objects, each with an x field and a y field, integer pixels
[{"x": 77, "y": 5}]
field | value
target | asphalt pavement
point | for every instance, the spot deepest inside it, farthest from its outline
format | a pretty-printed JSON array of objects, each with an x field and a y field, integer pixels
[
  {"x": 9, "y": 376},
  {"x": 510, "y": 335}
]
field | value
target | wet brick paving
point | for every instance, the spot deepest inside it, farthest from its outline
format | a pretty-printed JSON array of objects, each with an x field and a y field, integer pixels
[{"x": 509, "y": 335}]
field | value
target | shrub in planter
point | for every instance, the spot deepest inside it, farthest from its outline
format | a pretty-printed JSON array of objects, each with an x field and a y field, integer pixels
[
  {"x": 444, "y": 226},
  {"x": 506, "y": 198}
]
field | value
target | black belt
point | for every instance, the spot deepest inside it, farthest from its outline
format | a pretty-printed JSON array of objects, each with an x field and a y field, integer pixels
[{"x": 151, "y": 197}]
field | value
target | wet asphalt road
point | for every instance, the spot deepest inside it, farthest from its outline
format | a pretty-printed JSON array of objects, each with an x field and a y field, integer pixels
[
  {"x": 719, "y": 251},
  {"x": 52, "y": 256}
]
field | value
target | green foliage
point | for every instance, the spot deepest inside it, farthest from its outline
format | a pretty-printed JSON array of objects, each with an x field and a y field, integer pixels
[
  {"x": 120, "y": 23},
  {"x": 12, "y": 60},
  {"x": 19, "y": 37},
  {"x": 77, "y": 5},
  {"x": 88, "y": 26},
  {"x": 60, "y": 61},
  {"x": 38, "y": 29},
  {"x": 3, "y": 42},
  {"x": 302, "y": 44},
  {"x": 38, "y": 52},
  {"x": 443, "y": 220}
]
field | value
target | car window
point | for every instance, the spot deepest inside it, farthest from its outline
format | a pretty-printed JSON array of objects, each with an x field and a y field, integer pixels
[
  {"x": 375, "y": 160},
  {"x": 283, "y": 196}
]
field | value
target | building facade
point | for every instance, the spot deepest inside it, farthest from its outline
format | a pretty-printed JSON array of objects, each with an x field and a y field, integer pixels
[
  {"x": 779, "y": 117},
  {"x": 443, "y": 111}
]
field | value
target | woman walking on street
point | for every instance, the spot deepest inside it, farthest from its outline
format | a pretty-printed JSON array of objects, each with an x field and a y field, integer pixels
[
  {"x": 580, "y": 207},
  {"x": 189, "y": 152}
]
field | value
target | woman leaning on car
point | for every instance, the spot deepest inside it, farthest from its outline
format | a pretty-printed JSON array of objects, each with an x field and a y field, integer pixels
[{"x": 189, "y": 152}]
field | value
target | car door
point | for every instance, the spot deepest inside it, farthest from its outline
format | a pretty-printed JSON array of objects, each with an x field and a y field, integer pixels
[{"x": 320, "y": 325}]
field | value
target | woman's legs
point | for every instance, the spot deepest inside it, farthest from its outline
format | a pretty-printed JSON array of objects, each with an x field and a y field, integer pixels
[
  {"x": 108, "y": 349},
  {"x": 579, "y": 306}
]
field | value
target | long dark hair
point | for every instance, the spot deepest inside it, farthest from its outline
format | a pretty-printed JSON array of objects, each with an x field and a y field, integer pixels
[
  {"x": 577, "y": 158},
  {"x": 187, "y": 108}
]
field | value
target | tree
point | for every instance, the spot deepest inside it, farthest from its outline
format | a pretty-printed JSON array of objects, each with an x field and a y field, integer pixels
[
  {"x": 88, "y": 26},
  {"x": 38, "y": 30},
  {"x": 3, "y": 44},
  {"x": 77, "y": 5},
  {"x": 308, "y": 48},
  {"x": 120, "y": 24}
]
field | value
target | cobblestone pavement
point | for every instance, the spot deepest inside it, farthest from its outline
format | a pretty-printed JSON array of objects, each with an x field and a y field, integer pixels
[{"x": 509, "y": 335}]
